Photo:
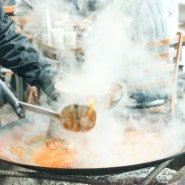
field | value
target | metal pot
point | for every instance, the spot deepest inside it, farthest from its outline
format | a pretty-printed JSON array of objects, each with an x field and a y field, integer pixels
[{"x": 102, "y": 101}]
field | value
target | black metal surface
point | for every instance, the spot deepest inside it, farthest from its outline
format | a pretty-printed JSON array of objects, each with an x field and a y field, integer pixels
[
  {"x": 93, "y": 171},
  {"x": 76, "y": 171}
]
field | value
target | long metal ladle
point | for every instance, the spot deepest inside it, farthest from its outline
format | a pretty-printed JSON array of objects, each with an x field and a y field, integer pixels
[{"x": 73, "y": 117}]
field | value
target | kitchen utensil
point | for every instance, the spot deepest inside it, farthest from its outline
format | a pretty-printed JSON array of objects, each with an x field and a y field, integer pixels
[{"x": 72, "y": 117}]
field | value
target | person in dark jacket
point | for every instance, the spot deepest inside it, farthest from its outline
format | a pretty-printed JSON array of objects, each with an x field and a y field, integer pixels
[{"x": 18, "y": 55}]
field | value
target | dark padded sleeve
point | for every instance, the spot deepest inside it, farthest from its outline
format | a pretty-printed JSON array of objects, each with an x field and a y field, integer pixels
[{"x": 17, "y": 54}]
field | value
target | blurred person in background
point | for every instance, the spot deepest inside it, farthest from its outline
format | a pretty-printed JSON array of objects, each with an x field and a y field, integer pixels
[
  {"x": 150, "y": 19},
  {"x": 153, "y": 19}
]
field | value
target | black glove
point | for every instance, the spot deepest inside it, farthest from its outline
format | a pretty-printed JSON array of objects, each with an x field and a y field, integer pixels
[
  {"x": 47, "y": 81},
  {"x": 7, "y": 96}
]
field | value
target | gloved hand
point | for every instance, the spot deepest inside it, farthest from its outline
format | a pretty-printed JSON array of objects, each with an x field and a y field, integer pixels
[
  {"x": 7, "y": 96},
  {"x": 47, "y": 81}
]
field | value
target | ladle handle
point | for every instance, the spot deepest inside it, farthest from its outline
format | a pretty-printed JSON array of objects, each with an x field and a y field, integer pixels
[
  {"x": 11, "y": 99},
  {"x": 40, "y": 110}
]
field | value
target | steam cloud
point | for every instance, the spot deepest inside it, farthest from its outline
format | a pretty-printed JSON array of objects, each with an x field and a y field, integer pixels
[{"x": 112, "y": 54}]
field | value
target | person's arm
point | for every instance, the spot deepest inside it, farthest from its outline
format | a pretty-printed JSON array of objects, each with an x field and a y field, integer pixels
[{"x": 17, "y": 54}]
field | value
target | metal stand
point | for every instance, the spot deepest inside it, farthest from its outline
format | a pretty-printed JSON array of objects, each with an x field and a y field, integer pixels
[{"x": 155, "y": 172}]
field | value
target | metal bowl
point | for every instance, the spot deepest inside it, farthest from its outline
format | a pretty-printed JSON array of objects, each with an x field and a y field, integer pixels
[{"x": 101, "y": 100}]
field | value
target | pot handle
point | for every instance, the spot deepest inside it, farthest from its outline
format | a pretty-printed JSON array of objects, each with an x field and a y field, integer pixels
[{"x": 12, "y": 100}]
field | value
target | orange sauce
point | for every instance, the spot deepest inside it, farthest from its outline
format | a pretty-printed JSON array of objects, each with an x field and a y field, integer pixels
[
  {"x": 54, "y": 153},
  {"x": 17, "y": 150}
]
